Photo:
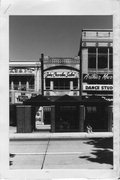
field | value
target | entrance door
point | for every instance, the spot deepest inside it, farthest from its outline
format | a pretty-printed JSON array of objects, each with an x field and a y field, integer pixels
[{"x": 67, "y": 120}]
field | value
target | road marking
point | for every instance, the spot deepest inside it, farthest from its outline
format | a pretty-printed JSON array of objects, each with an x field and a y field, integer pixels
[{"x": 48, "y": 153}]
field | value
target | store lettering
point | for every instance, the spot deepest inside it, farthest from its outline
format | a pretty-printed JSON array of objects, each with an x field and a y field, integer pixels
[
  {"x": 107, "y": 88},
  {"x": 107, "y": 77},
  {"x": 91, "y": 76},
  {"x": 97, "y": 77},
  {"x": 60, "y": 74},
  {"x": 98, "y": 87},
  {"x": 92, "y": 87}
]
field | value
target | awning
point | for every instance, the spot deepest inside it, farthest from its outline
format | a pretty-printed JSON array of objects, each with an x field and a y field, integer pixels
[
  {"x": 66, "y": 99},
  {"x": 38, "y": 100},
  {"x": 96, "y": 100}
]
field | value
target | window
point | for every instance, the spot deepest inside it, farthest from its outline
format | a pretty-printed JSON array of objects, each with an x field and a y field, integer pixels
[
  {"x": 111, "y": 58},
  {"x": 75, "y": 83},
  {"x": 92, "y": 57},
  {"x": 47, "y": 83},
  {"x": 61, "y": 83},
  {"x": 102, "y": 57}
]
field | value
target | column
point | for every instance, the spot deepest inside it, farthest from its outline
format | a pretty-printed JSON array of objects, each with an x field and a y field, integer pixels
[
  {"x": 12, "y": 85},
  {"x": 81, "y": 118},
  {"x": 51, "y": 85},
  {"x": 19, "y": 85},
  {"x": 12, "y": 97},
  {"x": 35, "y": 80},
  {"x": 85, "y": 60},
  {"x": 71, "y": 85},
  {"x": 110, "y": 118},
  {"x": 53, "y": 118},
  {"x": 38, "y": 80},
  {"x": 27, "y": 85}
]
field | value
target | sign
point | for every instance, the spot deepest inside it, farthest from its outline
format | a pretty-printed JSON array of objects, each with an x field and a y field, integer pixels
[
  {"x": 20, "y": 97},
  {"x": 61, "y": 74},
  {"x": 21, "y": 70},
  {"x": 97, "y": 77},
  {"x": 94, "y": 87}
]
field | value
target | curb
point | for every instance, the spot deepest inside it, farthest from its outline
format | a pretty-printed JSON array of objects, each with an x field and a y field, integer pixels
[{"x": 58, "y": 136}]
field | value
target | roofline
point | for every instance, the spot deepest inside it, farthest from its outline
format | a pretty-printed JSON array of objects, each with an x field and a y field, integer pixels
[{"x": 97, "y": 29}]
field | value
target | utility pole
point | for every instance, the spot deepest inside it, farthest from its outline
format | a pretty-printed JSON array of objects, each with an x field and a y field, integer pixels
[
  {"x": 80, "y": 69},
  {"x": 42, "y": 74}
]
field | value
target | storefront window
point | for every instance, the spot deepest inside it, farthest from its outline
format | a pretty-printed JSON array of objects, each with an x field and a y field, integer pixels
[
  {"x": 92, "y": 57},
  {"x": 61, "y": 83},
  {"x": 75, "y": 83},
  {"x": 47, "y": 83},
  {"x": 102, "y": 57}
]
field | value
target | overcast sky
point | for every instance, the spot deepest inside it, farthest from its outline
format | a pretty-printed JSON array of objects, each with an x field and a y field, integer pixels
[{"x": 55, "y": 36}]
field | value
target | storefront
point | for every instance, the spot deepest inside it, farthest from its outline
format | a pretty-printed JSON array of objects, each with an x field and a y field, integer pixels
[
  {"x": 98, "y": 114},
  {"x": 61, "y": 81}
]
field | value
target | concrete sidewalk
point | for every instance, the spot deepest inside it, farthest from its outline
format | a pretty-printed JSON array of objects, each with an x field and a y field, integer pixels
[{"x": 48, "y": 135}]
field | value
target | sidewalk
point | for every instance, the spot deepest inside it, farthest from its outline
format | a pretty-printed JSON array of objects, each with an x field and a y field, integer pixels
[{"x": 46, "y": 134}]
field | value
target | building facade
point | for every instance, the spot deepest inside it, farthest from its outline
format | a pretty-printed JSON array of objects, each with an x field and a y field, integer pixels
[
  {"x": 86, "y": 79},
  {"x": 60, "y": 77},
  {"x": 96, "y": 52}
]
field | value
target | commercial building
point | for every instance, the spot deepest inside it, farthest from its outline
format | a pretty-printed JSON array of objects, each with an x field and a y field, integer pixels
[
  {"x": 72, "y": 92},
  {"x": 96, "y": 52},
  {"x": 59, "y": 76}
]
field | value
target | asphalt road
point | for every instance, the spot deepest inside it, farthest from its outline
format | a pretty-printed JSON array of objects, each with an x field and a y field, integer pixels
[{"x": 62, "y": 154}]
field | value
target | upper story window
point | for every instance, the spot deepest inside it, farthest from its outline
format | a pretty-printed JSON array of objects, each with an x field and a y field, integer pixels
[
  {"x": 61, "y": 83},
  {"x": 100, "y": 58},
  {"x": 111, "y": 58},
  {"x": 92, "y": 57}
]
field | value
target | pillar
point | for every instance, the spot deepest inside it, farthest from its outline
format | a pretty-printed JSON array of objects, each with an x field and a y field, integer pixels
[
  {"x": 53, "y": 118},
  {"x": 81, "y": 118},
  {"x": 12, "y": 97},
  {"x": 12, "y": 85},
  {"x": 37, "y": 84},
  {"x": 51, "y": 85},
  {"x": 110, "y": 118},
  {"x": 19, "y": 85},
  {"x": 27, "y": 85},
  {"x": 71, "y": 85}
]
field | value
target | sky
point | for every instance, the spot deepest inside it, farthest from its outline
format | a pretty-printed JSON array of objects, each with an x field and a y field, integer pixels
[{"x": 54, "y": 36}]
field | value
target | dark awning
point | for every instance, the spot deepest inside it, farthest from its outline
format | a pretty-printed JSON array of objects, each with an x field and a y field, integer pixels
[
  {"x": 66, "y": 99},
  {"x": 38, "y": 101},
  {"x": 96, "y": 100}
]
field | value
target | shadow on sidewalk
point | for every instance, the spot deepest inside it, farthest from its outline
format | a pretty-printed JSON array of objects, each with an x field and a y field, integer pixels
[{"x": 103, "y": 150}]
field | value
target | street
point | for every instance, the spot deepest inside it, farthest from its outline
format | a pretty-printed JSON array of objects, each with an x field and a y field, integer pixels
[{"x": 91, "y": 153}]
